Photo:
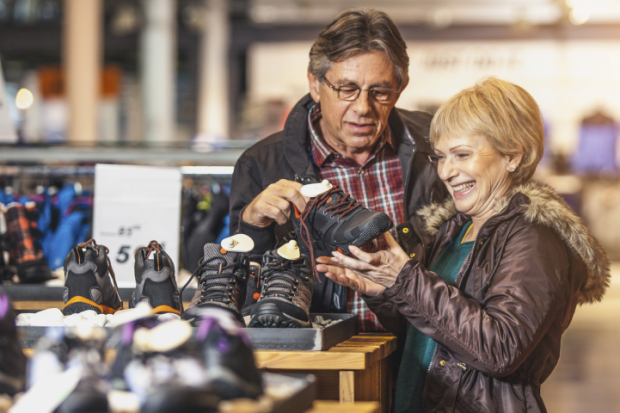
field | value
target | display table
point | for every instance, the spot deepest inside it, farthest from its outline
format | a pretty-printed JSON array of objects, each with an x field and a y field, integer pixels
[
  {"x": 358, "y": 369},
  {"x": 320, "y": 406}
]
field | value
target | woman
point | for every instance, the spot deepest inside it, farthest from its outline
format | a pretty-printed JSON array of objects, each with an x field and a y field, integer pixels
[{"x": 497, "y": 270}]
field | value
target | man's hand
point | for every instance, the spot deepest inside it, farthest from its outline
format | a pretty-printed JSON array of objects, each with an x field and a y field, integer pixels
[{"x": 274, "y": 204}]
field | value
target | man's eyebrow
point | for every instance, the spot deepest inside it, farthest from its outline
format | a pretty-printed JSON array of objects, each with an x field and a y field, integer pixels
[{"x": 385, "y": 84}]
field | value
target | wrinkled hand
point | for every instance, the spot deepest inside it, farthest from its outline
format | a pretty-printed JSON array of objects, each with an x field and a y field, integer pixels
[
  {"x": 367, "y": 273},
  {"x": 274, "y": 204}
]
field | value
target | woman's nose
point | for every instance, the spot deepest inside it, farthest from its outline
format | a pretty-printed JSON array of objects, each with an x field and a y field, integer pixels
[{"x": 446, "y": 170}]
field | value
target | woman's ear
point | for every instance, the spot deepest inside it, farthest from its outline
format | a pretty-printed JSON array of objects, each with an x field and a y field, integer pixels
[
  {"x": 313, "y": 83},
  {"x": 514, "y": 161}
]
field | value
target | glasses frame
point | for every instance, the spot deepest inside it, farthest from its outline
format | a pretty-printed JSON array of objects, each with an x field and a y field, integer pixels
[{"x": 336, "y": 88}]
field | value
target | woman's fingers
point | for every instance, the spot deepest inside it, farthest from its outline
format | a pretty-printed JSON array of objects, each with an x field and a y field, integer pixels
[
  {"x": 325, "y": 260},
  {"x": 389, "y": 239},
  {"x": 362, "y": 255},
  {"x": 352, "y": 263}
]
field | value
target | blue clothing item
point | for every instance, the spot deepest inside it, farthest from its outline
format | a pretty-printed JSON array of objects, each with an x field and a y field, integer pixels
[
  {"x": 225, "y": 232},
  {"x": 596, "y": 150},
  {"x": 67, "y": 235},
  {"x": 419, "y": 349},
  {"x": 6, "y": 198}
]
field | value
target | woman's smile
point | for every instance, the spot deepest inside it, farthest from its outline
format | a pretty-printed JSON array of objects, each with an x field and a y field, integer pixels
[{"x": 464, "y": 189}]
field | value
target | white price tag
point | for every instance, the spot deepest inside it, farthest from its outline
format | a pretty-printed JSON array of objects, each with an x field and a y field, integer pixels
[{"x": 132, "y": 206}]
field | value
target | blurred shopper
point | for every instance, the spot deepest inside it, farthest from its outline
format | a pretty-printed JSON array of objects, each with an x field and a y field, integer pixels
[
  {"x": 498, "y": 270},
  {"x": 346, "y": 130}
]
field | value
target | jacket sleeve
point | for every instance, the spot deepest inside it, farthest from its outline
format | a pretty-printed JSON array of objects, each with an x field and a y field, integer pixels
[
  {"x": 245, "y": 186},
  {"x": 496, "y": 335}
]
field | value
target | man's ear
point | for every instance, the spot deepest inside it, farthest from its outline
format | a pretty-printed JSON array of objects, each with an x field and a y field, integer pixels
[{"x": 313, "y": 83}]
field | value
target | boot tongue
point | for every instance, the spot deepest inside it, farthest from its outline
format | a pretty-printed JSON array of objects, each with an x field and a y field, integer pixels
[{"x": 214, "y": 251}]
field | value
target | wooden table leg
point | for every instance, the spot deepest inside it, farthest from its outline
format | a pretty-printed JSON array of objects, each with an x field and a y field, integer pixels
[{"x": 347, "y": 386}]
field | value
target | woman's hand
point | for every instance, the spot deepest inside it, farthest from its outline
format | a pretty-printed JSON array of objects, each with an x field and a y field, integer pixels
[
  {"x": 368, "y": 273},
  {"x": 347, "y": 278}
]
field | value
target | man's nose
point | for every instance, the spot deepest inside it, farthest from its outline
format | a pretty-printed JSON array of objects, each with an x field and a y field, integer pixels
[{"x": 361, "y": 105}]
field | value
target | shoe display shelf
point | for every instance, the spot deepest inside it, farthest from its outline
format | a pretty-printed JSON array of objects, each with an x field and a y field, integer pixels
[
  {"x": 32, "y": 298},
  {"x": 356, "y": 370}
]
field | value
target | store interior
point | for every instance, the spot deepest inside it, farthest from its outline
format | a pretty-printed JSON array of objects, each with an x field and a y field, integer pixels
[{"x": 188, "y": 85}]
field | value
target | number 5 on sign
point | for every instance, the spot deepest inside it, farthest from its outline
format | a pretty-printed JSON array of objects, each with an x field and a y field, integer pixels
[{"x": 134, "y": 205}]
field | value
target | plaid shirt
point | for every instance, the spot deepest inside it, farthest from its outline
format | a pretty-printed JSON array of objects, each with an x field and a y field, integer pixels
[
  {"x": 22, "y": 231},
  {"x": 377, "y": 185}
]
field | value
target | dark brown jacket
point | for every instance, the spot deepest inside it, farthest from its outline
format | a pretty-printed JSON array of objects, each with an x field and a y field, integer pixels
[{"x": 499, "y": 327}]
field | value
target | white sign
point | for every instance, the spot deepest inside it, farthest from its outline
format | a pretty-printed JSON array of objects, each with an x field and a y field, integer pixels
[
  {"x": 134, "y": 205},
  {"x": 7, "y": 130}
]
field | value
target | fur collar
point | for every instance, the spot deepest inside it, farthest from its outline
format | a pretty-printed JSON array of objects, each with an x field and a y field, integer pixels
[{"x": 545, "y": 208}]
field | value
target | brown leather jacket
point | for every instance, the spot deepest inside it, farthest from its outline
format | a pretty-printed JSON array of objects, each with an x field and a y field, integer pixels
[{"x": 499, "y": 327}]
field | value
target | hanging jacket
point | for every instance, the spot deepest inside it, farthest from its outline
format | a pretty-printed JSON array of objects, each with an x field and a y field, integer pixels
[{"x": 499, "y": 328}]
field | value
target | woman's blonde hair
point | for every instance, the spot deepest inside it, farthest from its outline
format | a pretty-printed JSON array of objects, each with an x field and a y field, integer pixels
[{"x": 504, "y": 113}]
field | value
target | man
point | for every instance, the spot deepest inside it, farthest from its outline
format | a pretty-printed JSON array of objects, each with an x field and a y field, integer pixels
[{"x": 346, "y": 130}]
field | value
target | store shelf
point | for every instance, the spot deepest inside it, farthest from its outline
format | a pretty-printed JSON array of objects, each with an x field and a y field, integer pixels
[{"x": 217, "y": 157}]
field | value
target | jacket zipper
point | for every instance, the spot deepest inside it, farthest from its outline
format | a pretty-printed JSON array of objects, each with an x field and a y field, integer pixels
[{"x": 461, "y": 277}]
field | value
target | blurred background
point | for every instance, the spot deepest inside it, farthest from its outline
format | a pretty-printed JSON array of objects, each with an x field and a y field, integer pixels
[{"x": 192, "y": 83}]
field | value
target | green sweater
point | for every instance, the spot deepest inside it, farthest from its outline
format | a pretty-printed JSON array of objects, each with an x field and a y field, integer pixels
[{"x": 419, "y": 349}]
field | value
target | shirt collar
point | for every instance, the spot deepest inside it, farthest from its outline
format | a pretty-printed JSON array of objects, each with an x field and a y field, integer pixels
[{"x": 321, "y": 152}]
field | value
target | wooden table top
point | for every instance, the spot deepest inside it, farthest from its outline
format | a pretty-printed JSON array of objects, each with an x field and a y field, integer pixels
[
  {"x": 321, "y": 406},
  {"x": 357, "y": 353}
]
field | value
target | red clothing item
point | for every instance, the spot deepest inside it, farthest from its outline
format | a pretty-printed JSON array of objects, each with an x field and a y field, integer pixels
[{"x": 377, "y": 185}]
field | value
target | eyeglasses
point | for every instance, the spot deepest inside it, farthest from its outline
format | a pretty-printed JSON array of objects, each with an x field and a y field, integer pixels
[{"x": 351, "y": 92}]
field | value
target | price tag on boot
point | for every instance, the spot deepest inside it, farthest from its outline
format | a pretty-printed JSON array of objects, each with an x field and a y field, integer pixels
[{"x": 134, "y": 205}]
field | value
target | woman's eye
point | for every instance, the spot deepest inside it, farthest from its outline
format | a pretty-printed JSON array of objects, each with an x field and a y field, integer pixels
[{"x": 462, "y": 155}]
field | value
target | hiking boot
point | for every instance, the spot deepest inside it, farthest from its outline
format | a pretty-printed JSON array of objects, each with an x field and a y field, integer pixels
[
  {"x": 227, "y": 357},
  {"x": 174, "y": 398},
  {"x": 333, "y": 220},
  {"x": 61, "y": 349},
  {"x": 140, "y": 317},
  {"x": 252, "y": 289},
  {"x": 25, "y": 247},
  {"x": 12, "y": 358},
  {"x": 223, "y": 273},
  {"x": 155, "y": 281},
  {"x": 286, "y": 290},
  {"x": 167, "y": 358},
  {"x": 89, "y": 281}
]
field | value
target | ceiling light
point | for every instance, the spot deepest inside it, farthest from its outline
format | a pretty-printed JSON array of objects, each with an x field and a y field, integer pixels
[
  {"x": 441, "y": 18},
  {"x": 24, "y": 99},
  {"x": 579, "y": 15}
]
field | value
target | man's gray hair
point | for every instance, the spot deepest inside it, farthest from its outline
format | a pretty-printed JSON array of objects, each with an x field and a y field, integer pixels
[{"x": 359, "y": 31}]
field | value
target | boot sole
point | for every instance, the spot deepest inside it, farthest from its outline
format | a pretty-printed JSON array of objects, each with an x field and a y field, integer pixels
[
  {"x": 270, "y": 316},
  {"x": 76, "y": 308}
]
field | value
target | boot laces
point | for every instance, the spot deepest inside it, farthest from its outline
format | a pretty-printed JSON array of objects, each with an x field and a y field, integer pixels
[
  {"x": 153, "y": 246},
  {"x": 343, "y": 206},
  {"x": 91, "y": 243},
  {"x": 219, "y": 286},
  {"x": 281, "y": 276}
]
